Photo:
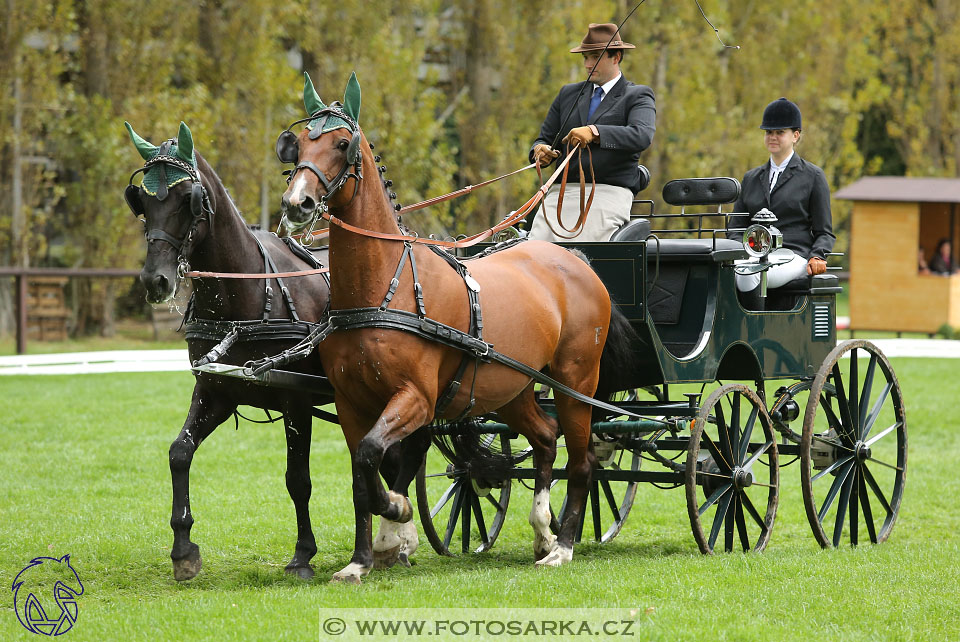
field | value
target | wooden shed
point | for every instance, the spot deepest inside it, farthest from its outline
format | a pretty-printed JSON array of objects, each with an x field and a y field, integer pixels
[{"x": 894, "y": 217}]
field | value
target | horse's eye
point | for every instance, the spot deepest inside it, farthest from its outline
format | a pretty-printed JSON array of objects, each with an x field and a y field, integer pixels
[{"x": 343, "y": 144}]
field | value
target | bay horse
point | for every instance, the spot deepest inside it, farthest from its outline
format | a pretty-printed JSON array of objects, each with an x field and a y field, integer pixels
[
  {"x": 188, "y": 216},
  {"x": 542, "y": 305}
]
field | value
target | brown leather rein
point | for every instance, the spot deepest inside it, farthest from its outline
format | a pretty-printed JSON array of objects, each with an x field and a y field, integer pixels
[{"x": 469, "y": 241}]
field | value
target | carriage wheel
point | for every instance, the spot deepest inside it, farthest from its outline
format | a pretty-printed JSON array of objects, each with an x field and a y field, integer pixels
[
  {"x": 731, "y": 473},
  {"x": 609, "y": 501},
  {"x": 853, "y": 451},
  {"x": 453, "y": 507}
]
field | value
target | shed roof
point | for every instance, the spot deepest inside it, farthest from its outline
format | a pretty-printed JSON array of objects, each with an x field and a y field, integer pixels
[{"x": 903, "y": 188}]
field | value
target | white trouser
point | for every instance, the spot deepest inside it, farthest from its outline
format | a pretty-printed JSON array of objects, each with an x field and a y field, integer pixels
[
  {"x": 776, "y": 276},
  {"x": 610, "y": 210}
]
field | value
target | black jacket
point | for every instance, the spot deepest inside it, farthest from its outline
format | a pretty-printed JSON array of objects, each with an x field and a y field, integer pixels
[
  {"x": 800, "y": 200},
  {"x": 626, "y": 120}
]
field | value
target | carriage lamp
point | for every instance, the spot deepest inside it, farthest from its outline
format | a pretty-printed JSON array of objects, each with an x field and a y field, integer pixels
[{"x": 762, "y": 238}]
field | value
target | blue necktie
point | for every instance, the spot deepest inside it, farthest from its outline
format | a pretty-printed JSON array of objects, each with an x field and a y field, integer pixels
[{"x": 595, "y": 101}]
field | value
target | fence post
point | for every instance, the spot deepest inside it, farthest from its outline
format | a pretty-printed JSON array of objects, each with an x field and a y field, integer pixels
[{"x": 21, "y": 280}]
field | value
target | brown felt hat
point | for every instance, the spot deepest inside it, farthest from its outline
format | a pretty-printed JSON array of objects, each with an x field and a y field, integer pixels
[{"x": 598, "y": 35}]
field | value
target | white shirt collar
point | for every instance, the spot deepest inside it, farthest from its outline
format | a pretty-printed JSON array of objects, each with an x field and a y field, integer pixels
[
  {"x": 607, "y": 86},
  {"x": 783, "y": 165}
]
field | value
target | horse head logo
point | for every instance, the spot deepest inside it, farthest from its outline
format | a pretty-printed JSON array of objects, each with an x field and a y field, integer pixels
[{"x": 33, "y": 587}]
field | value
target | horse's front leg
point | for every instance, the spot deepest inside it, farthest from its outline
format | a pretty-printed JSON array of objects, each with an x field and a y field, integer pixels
[
  {"x": 396, "y": 541},
  {"x": 207, "y": 411},
  {"x": 298, "y": 424},
  {"x": 404, "y": 413}
]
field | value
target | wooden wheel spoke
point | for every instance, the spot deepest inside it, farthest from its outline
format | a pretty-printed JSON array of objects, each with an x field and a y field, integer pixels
[
  {"x": 611, "y": 501},
  {"x": 875, "y": 411},
  {"x": 733, "y": 436},
  {"x": 832, "y": 420},
  {"x": 854, "y": 396},
  {"x": 872, "y": 482},
  {"x": 465, "y": 519},
  {"x": 842, "y": 506},
  {"x": 830, "y": 442},
  {"x": 834, "y": 489},
  {"x": 719, "y": 519},
  {"x": 854, "y": 513},
  {"x": 742, "y": 527},
  {"x": 729, "y": 524},
  {"x": 451, "y": 489},
  {"x": 885, "y": 464},
  {"x": 478, "y": 517},
  {"x": 867, "y": 512},
  {"x": 454, "y": 515},
  {"x": 748, "y": 504},
  {"x": 717, "y": 494},
  {"x": 759, "y": 453},
  {"x": 832, "y": 467},
  {"x": 884, "y": 433},
  {"x": 747, "y": 434},
  {"x": 865, "y": 393},
  {"x": 495, "y": 503},
  {"x": 723, "y": 432},
  {"x": 595, "y": 509},
  {"x": 715, "y": 451}
]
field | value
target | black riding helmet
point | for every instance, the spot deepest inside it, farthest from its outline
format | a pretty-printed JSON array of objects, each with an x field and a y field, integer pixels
[{"x": 781, "y": 114}]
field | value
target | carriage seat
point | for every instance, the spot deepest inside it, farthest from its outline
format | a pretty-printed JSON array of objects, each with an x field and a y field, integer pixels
[
  {"x": 686, "y": 250},
  {"x": 701, "y": 191}
]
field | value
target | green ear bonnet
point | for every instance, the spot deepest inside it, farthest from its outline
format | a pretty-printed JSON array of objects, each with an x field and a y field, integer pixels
[{"x": 173, "y": 162}]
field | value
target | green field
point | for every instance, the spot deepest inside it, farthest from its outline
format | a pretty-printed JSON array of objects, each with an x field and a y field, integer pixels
[{"x": 83, "y": 468}]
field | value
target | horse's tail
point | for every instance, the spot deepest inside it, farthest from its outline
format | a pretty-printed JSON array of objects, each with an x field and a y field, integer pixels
[{"x": 617, "y": 358}]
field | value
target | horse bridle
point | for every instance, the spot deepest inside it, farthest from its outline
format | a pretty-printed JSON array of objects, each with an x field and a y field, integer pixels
[
  {"x": 288, "y": 152},
  {"x": 199, "y": 204}
]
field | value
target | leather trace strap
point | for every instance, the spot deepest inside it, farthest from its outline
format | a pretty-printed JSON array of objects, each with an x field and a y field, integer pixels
[{"x": 463, "y": 191}]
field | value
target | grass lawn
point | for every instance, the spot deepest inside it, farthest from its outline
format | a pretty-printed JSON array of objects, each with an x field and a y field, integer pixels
[{"x": 83, "y": 468}]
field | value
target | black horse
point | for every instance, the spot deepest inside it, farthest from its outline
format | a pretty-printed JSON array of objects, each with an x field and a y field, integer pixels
[{"x": 189, "y": 219}]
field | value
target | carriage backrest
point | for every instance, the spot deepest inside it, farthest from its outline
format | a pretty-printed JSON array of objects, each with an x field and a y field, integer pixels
[{"x": 701, "y": 191}]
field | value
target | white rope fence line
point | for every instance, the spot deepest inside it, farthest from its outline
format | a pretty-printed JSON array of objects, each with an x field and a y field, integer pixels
[{"x": 178, "y": 361}]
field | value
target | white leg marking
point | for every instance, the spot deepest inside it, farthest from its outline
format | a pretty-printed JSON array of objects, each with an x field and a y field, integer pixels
[
  {"x": 559, "y": 555},
  {"x": 543, "y": 539},
  {"x": 351, "y": 573}
]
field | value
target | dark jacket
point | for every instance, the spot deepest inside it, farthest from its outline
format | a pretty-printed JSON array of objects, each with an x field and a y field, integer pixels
[
  {"x": 800, "y": 200},
  {"x": 626, "y": 120}
]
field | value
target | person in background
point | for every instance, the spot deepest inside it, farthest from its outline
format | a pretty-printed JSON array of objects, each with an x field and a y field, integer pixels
[
  {"x": 796, "y": 191},
  {"x": 922, "y": 266},
  {"x": 942, "y": 261},
  {"x": 617, "y": 119}
]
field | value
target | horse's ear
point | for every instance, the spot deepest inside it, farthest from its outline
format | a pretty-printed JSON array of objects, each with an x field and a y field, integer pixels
[
  {"x": 185, "y": 144},
  {"x": 351, "y": 97},
  {"x": 146, "y": 149},
  {"x": 311, "y": 99}
]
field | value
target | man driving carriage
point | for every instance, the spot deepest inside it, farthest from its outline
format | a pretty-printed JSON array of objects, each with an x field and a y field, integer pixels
[{"x": 616, "y": 119}]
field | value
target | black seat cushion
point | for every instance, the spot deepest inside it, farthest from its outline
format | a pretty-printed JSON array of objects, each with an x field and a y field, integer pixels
[
  {"x": 717, "y": 250},
  {"x": 701, "y": 191}
]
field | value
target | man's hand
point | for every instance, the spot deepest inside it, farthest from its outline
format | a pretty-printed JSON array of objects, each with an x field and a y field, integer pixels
[
  {"x": 543, "y": 155},
  {"x": 582, "y": 135},
  {"x": 816, "y": 266}
]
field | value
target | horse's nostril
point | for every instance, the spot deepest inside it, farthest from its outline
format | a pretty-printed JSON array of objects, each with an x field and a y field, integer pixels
[
  {"x": 159, "y": 283},
  {"x": 307, "y": 205}
]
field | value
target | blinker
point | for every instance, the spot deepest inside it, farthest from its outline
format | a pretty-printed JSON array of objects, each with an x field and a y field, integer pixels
[
  {"x": 132, "y": 196},
  {"x": 287, "y": 148}
]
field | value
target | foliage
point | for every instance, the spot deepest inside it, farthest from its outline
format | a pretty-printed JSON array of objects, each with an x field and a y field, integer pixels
[{"x": 454, "y": 91}]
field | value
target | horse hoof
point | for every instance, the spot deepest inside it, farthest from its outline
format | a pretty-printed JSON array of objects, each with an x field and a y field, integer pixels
[
  {"x": 351, "y": 574},
  {"x": 387, "y": 558},
  {"x": 303, "y": 572},
  {"x": 187, "y": 568},
  {"x": 404, "y": 560},
  {"x": 557, "y": 557},
  {"x": 544, "y": 547},
  {"x": 342, "y": 578}
]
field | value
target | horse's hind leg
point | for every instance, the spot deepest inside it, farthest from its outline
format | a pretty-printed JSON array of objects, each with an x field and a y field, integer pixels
[
  {"x": 298, "y": 425},
  {"x": 575, "y": 422},
  {"x": 207, "y": 411},
  {"x": 397, "y": 541},
  {"x": 524, "y": 415}
]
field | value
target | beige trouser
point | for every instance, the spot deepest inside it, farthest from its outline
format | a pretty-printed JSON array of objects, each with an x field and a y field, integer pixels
[{"x": 610, "y": 210}]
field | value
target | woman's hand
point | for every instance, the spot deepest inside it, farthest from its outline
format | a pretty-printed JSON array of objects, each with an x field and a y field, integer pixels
[
  {"x": 543, "y": 155},
  {"x": 816, "y": 266}
]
